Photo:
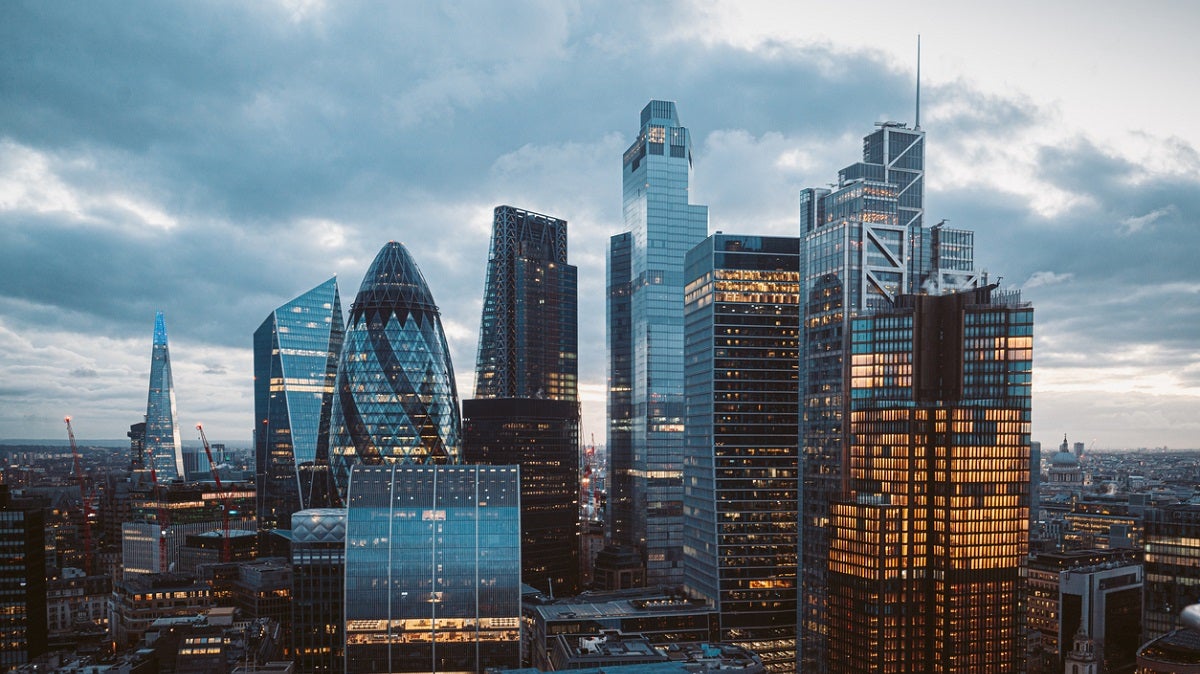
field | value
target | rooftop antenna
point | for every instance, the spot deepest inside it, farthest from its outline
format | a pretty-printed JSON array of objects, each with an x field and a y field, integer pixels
[{"x": 918, "y": 81}]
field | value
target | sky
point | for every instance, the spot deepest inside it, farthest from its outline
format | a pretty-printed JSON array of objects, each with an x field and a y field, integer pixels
[{"x": 215, "y": 159}]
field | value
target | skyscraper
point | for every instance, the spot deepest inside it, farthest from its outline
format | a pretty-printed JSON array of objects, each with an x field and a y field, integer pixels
[
  {"x": 741, "y": 471},
  {"x": 529, "y": 331},
  {"x": 433, "y": 568},
  {"x": 646, "y": 402},
  {"x": 296, "y": 353},
  {"x": 318, "y": 554},
  {"x": 163, "y": 448},
  {"x": 526, "y": 410},
  {"x": 1172, "y": 555},
  {"x": 395, "y": 397},
  {"x": 862, "y": 245},
  {"x": 928, "y": 544},
  {"x": 23, "y": 628}
]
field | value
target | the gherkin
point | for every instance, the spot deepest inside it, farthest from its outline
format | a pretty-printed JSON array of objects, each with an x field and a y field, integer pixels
[{"x": 395, "y": 398}]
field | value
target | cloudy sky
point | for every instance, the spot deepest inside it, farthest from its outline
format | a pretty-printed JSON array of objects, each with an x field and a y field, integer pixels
[{"x": 214, "y": 160}]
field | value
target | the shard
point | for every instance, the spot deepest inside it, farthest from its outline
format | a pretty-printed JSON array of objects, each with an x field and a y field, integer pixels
[{"x": 163, "y": 447}]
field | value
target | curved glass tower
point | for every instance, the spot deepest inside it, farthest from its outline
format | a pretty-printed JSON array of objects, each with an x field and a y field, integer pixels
[
  {"x": 163, "y": 447},
  {"x": 395, "y": 400},
  {"x": 296, "y": 353}
]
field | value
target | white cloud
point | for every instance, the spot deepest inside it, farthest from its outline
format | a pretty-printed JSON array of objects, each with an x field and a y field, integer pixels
[
  {"x": 1046, "y": 278},
  {"x": 1133, "y": 225},
  {"x": 32, "y": 181}
]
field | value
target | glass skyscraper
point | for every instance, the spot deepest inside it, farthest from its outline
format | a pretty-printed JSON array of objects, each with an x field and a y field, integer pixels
[
  {"x": 528, "y": 333},
  {"x": 863, "y": 244},
  {"x": 296, "y": 353},
  {"x": 741, "y": 471},
  {"x": 163, "y": 447},
  {"x": 395, "y": 398},
  {"x": 928, "y": 545},
  {"x": 645, "y": 333},
  {"x": 433, "y": 568},
  {"x": 526, "y": 410}
]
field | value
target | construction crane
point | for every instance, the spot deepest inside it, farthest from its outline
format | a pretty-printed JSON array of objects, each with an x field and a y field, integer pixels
[
  {"x": 226, "y": 550},
  {"x": 83, "y": 498}
]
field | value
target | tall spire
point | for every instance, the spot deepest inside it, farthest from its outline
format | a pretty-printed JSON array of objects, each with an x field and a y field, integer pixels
[
  {"x": 163, "y": 446},
  {"x": 918, "y": 123}
]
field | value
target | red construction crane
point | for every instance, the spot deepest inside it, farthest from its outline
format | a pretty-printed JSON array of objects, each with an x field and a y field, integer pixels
[
  {"x": 226, "y": 550},
  {"x": 83, "y": 498}
]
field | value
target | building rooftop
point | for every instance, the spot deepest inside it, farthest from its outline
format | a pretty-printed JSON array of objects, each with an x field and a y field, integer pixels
[{"x": 617, "y": 604}]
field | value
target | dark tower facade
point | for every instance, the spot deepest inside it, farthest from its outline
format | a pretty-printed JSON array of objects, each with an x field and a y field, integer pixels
[
  {"x": 526, "y": 410},
  {"x": 927, "y": 547},
  {"x": 23, "y": 628},
  {"x": 741, "y": 471},
  {"x": 528, "y": 334},
  {"x": 318, "y": 555},
  {"x": 296, "y": 353},
  {"x": 395, "y": 399}
]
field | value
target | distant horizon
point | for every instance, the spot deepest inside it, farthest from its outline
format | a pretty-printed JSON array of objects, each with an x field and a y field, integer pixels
[{"x": 249, "y": 444}]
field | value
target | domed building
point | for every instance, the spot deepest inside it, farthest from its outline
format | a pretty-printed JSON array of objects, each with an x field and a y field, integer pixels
[
  {"x": 1065, "y": 470},
  {"x": 395, "y": 399}
]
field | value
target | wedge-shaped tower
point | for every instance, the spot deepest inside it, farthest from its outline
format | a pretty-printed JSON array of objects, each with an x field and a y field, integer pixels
[
  {"x": 395, "y": 398},
  {"x": 163, "y": 447},
  {"x": 296, "y": 353}
]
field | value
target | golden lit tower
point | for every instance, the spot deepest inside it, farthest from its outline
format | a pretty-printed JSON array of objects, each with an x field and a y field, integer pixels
[{"x": 926, "y": 551}]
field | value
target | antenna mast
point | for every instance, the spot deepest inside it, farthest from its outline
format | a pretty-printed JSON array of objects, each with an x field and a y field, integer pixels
[{"x": 918, "y": 125}]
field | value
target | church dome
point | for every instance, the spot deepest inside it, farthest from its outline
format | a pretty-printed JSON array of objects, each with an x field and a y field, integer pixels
[{"x": 1063, "y": 459}]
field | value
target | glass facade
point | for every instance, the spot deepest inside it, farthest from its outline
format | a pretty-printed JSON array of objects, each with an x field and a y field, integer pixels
[
  {"x": 863, "y": 244},
  {"x": 619, "y": 342},
  {"x": 395, "y": 398},
  {"x": 528, "y": 334},
  {"x": 433, "y": 568},
  {"x": 1172, "y": 556},
  {"x": 927, "y": 548},
  {"x": 741, "y": 470},
  {"x": 542, "y": 437},
  {"x": 23, "y": 627},
  {"x": 318, "y": 555},
  {"x": 296, "y": 353},
  {"x": 663, "y": 226},
  {"x": 163, "y": 447},
  {"x": 526, "y": 385}
]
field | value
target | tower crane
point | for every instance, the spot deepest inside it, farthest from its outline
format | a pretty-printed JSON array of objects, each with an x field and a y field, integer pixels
[
  {"x": 226, "y": 550},
  {"x": 83, "y": 498}
]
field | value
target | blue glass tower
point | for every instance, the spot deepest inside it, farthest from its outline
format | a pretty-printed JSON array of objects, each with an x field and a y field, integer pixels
[
  {"x": 433, "y": 568},
  {"x": 296, "y": 353},
  {"x": 647, "y": 419},
  {"x": 163, "y": 448},
  {"x": 395, "y": 397}
]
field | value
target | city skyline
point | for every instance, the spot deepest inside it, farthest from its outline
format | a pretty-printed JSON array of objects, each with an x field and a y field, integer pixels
[{"x": 179, "y": 168}]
